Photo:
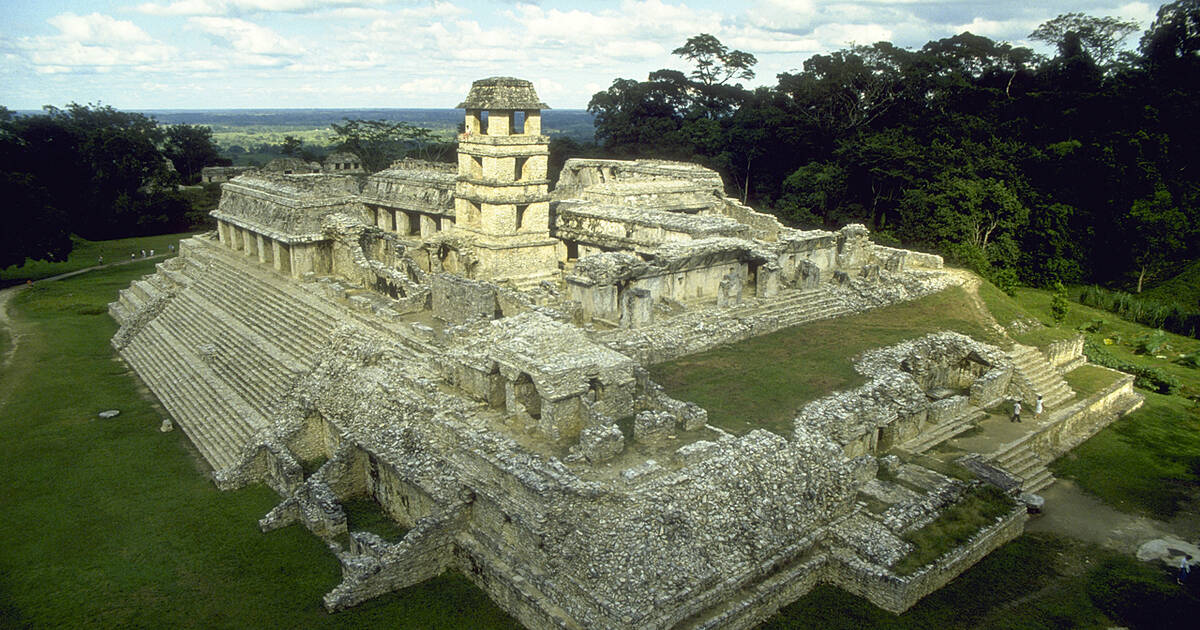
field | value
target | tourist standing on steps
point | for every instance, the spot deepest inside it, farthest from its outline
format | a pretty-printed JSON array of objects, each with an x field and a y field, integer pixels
[
  {"x": 1016, "y": 417},
  {"x": 1037, "y": 409},
  {"x": 1184, "y": 569}
]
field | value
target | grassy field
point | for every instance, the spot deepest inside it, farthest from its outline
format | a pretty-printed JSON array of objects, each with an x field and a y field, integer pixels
[
  {"x": 111, "y": 524},
  {"x": 778, "y": 373},
  {"x": 87, "y": 253},
  {"x": 1036, "y": 581}
]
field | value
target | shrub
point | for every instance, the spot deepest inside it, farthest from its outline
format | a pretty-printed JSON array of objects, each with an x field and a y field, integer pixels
[{"x": 1153, "y": 379}]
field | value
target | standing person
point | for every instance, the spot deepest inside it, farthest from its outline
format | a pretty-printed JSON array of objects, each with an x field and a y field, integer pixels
[
  {"x": 143, "y": 253},
  {"x": 101, "y": 259},
  {"x": 152, "y": 253},
  {"x": 1185, "y": 569},
  {"x": 1016, "y": 417},
  {"x": 1038, "y": 408},
  {"x": 132, "y": 255}
]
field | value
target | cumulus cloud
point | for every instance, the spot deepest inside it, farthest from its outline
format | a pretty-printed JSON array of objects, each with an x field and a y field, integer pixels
[
  {"x": 246, "y": 37},
  {"x": 94, "y": 41}
]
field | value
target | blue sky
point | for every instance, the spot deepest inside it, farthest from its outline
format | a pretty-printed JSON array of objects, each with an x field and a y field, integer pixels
[{"x": 204, "y": 54}]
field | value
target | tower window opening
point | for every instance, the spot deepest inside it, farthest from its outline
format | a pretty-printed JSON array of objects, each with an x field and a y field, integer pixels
[
  {"x": 521, "y": 214},
  {"x": 518, "y": 122},
  {"x": 519, "y": 169}
]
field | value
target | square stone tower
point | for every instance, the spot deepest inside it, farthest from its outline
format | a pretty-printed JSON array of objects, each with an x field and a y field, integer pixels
[{"x": 502, "y": 197}]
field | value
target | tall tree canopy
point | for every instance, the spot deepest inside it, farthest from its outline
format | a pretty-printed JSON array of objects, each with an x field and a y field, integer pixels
[{"x": 1081, "y": 166}]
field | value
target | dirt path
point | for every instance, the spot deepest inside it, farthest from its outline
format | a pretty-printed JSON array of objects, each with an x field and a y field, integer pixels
[{"x": 1072, "y": 512}]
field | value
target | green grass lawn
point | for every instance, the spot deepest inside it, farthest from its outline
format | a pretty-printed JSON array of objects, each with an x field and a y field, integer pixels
[
  {"x": 86, "y": 253},
  {"x": 761, "y": 382},
  {"x": 1089, "y": 379},
  {"x": 111, "y": 524},
  {"x": 1035, "y": 581}
]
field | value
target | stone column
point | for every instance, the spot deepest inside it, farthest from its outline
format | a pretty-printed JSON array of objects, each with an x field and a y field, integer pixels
[
  {"x": 249, "y": 239},
  {"x": 263, "y": 245},
  {"x": 767, "y": 283},
  {"x": 280, "y": 257},
  {"x": 428, "y": 226}
]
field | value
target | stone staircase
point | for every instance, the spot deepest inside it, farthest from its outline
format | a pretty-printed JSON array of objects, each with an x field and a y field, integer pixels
[
  {"x": 791, "y": 308},
  {"x": 1040, "y": 378},
  {"x": 225, "y": 348},
  {"x": 1024, "y": 464},
  {"x": 944, "y": 430}
]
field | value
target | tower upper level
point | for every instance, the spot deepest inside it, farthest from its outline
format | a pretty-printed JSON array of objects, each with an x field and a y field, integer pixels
[{"x": 503, "y": 106}]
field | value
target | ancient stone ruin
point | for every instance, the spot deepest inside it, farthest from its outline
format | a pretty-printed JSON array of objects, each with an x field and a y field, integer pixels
[{"x": 468, "y": 348}]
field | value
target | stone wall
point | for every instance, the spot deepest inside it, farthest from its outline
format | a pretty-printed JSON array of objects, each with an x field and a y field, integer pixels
[
  {"x": 898, "y": 593},
  {"x": 1066, "y": 355},
  {"x": 1071, "y": 426}
]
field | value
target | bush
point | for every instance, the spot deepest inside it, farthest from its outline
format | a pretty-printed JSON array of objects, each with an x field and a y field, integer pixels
[
  {"x": 1151, "y": 343},
  {"x": 1005, "y": 279},
  {"x": 1153, "y": 379}
]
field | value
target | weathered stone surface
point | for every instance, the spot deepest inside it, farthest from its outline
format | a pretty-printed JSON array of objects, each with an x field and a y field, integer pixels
[
  {"x": 653, "y": 427},
  {"x": 433, "y": 338},
  {"x": 111, "y": 413},
  {"x": 601, "y": 443}
]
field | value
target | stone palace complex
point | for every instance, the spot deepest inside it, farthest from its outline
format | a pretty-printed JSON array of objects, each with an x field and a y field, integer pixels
[{"x": 468, "y": 348}]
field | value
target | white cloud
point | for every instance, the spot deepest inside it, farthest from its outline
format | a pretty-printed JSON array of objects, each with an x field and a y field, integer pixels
[
  {"x": 225, "y": 7},
  {"x": 247, "y": 37},
  {"x": 95, "y": 41}
]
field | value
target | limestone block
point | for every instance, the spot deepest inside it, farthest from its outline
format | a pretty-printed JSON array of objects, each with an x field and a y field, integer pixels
[
  {"x": 602, "y": 443},
  {"x": 652, "y": 427},
  {"x": 841, "y": 277},
  {"x": 693, "y": 416},
  {"x": 457, "y": 300},
  {"x": 638, "y": 308},
  {"x": 870, "y": 273},
  {"x": 808, "y": 275}
]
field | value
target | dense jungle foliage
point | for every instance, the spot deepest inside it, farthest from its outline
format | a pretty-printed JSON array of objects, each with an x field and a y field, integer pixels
[{"x": 1081, "y": 167}]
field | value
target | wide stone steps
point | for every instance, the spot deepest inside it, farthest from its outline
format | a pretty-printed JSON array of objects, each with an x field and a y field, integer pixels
[
  {"x": 1044, "y": 379},
  {"x": 247, "y": 363},
  {"x": 216, "y": 420},
  {"x": 942, "y": 431},
  {"x": 295, "y": 330},
  {"x": 1025, "y": 465}
]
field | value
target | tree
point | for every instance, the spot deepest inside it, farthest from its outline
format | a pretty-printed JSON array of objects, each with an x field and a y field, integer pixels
[
  {"x": 715, "y": 63},
  {"x": 291, "y": 146},
  {"x": 190, "y": 148},
  {"x": 33, "y": 227},
  {"x": 1099, "y": 37},
  {"x": 380, "y": 142},
  {"x": 1059, "y": 304}
]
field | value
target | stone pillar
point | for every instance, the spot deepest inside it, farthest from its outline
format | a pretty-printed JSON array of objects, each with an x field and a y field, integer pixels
[
  {"x": 767, "y": 284},
  {"x": 263, "y": 245},
  {"x": 639, "y": 308},
  {"x": 729, "y": 292},
  {"x": 248, "y": 241},
  {"x": 280, "y": 257},
  {"x": 808, "y": 275},
  {"x": 223, "y": 232},
  {"x": 428, "y": 226}
]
